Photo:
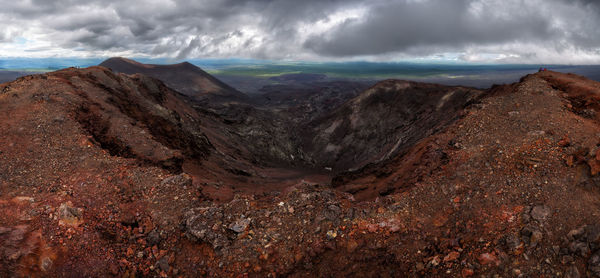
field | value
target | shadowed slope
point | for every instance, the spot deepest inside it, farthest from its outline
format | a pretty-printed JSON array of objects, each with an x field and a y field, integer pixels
[{"x": 184, "y": 77}]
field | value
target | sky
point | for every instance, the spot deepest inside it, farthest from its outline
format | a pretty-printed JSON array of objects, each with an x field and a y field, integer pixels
[{"x": 462, "y": 31}]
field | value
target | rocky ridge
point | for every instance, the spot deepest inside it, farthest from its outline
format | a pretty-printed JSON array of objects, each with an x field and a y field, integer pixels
[{"x": 112, "y": 174}]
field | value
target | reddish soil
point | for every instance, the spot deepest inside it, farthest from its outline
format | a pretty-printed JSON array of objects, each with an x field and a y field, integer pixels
[{"x": 105, "y": 174}]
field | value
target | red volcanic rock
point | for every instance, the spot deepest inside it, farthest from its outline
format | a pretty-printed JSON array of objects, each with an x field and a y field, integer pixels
[
  {"x": 565, "y": 142},
  {"x": 467, "y": 272},
  {"x": 452, "y": 256},
  {"x": 488, "y": 258},
  {"x": 452, "y": 182},
  {"x": 594, "y": 166}
]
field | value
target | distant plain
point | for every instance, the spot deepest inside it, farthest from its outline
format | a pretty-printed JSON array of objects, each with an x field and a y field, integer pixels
[{"x": 250, "y": 75}]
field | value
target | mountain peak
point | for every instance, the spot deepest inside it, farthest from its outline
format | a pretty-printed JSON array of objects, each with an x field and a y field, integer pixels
[{"x": 186, "y": 78}]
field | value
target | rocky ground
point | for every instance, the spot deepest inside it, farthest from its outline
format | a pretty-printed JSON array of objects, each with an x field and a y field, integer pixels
[{"x": 105, "y": 174}]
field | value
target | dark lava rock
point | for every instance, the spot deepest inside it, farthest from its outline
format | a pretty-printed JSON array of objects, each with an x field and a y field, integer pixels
[
  {"x": 594, "y": 264},
  {"x": 163, "y": 263},
  {"x": 513, "y": 243},
  {"x": 540, "y": 213},
  {"x": 584, "y": 240},
  {"x": 531, "y": 235},
  {"x": 332, "y": 212},
  {"x": 153, "y": 237},
  {"x": 536, "y": 237},
  {"x": 592, "y": 234},
  {"x": 178, "y": 180},
  {"x": 576, "y": 233},
  {"x": 572, "y": 272},
  {"x": 579, "y": 248},
  {"x": 240, "y": 225},
  {"x": 205, "y": 224},
  {"x": 566, "y": 259}
]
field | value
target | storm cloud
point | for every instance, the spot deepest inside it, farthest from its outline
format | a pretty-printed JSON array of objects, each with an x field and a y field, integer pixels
[{"x": 507, "y": 31}]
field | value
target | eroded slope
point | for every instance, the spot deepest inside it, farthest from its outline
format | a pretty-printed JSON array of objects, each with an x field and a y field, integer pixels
[
  {"x": 383, "y": 121},
  {"x": 508, "y": 186},
  {"x": 514, "y": 193}
]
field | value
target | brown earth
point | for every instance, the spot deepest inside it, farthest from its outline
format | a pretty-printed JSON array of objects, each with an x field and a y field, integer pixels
[{"x": 106, "y": 174}]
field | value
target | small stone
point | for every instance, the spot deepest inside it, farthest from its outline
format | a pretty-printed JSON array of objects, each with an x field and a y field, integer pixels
[
  {"x": 240, "y": 225},
  {"x": 536, "y": 133},
  {"x": 435, "y": 261},
  {"x": 565, "y": 142},
  {"x": 420, "y": 266},
  {"x": 452, "y": 256},
  {"x": 594, "y": 264},
  {"x": 566, "y": 259},
  {"x": 513, "y": 243},
  {"x": 69, "y": 215},
  {"x": 576, "y": 233},
  {"x": 526, "y": 216},
  {"x": 570, "y": 160},
  {"x": 488, "y": 258},
  {"x": 572, "y": 272},
  {"x": 178, "y": 180},
  {"x": 205, "y": 224},
  {"x": 594, "y": 166},
  {"x": 527, "y": 232},
  {"x": 59, "y": 119},
  {"x": 579, "y": 248},
  {"x": 129, "y": 252},
  {"x": 332, "y": 212},
  {"x": 331, "y": 234},
  {"x": 153, "y": 238},
  {"x": 536, "y": 237},
  {"x": 46, "y": 263},
  {"x": 163, "y": 263},
  {"x": 467, "y": 272},
  {"x": 540, "y": 213}
]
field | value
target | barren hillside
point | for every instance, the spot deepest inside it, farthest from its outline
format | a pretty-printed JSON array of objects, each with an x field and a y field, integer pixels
[{"x": 107, "y": 174}]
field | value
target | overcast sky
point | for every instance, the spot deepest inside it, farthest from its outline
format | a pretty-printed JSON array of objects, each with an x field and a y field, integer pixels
[{"x": 478, "y": 31}]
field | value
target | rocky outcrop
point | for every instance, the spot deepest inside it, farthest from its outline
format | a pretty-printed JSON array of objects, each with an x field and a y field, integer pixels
[
  {"x": 136, "y": 117},
  {"x": 383, "y": 122},
  {"x": 488, "y": 183}
]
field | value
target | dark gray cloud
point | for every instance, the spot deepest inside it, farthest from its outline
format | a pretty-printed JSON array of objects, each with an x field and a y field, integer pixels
[
  {"x": 560, "y": 31},
  {"x": 405, "y": 26}
]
